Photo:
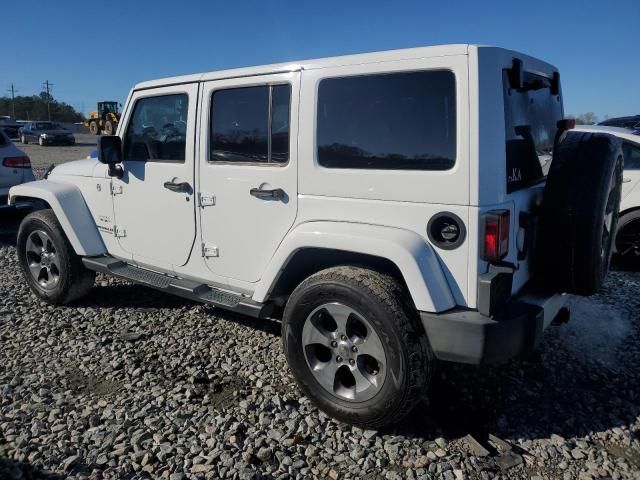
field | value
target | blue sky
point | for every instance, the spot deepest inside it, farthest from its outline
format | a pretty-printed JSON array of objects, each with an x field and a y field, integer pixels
[{"x": 94, "y": 50}]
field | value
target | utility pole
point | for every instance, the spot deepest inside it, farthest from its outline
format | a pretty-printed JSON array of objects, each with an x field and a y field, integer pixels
[
  {"x": 13, "y": 101},
  {"x": 47, "y": 86}
]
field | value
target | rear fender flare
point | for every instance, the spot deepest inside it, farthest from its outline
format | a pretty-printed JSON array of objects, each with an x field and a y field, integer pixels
[
  {"x": 414, "y": 257},
  {"x": 70, "y": 209}
]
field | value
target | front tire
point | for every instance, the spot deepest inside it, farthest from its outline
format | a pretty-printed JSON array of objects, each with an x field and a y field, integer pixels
[
  {"x": 109, "y": 128},
  {"x": 93, "y": 128},
  {"x": 41, "y": 142},
  {"x": 23, "y": 140},
  {"x": 50, "y": 266},
  {"x": 354, "y": 343},
  {"x": 627, "y": 241}
]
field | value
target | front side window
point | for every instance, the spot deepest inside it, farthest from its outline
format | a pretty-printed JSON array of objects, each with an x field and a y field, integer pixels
[
  {"x": 394, "y": 121},
  {"x": 631, "y": 154},
  {"x": 251, "y": 124},
  {"x": 157, "y": 130}
]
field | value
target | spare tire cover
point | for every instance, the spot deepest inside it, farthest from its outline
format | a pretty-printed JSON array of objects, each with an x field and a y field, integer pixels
[{"x": 579, "y": 212}]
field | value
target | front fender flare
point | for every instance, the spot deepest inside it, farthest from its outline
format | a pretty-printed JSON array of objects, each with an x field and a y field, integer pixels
[
  {"x": 413, "y": 256},
  {"x": 72, "y": 212}
]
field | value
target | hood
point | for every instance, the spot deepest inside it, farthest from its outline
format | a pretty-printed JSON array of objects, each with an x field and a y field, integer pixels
[{"x": 78, "y": 168}]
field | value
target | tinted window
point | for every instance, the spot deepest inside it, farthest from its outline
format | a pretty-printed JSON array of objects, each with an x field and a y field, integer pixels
[
  {"x": 631, "y": 155},
  {"x": 531, "y": 115},
  {"x": 247, "y": 127},
  {"x": 390, "y": 121},
  {"x": 157, "y": 130},
  {"x": 4, "y": 140}
]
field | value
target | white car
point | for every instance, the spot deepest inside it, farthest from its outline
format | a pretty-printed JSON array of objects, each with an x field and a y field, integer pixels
[
  {"x": 628, "y": 233},
  {"x": 15, "y": 168},
  {"x": 393, "y": 209}
]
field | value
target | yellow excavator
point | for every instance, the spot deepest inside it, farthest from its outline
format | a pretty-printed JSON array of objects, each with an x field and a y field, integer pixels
[{"x": 105, "y": 119}]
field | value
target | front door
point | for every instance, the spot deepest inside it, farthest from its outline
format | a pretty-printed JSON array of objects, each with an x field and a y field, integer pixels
[
  {"x": 154, "y": 200},
  {"x": 248, "y": 171}
]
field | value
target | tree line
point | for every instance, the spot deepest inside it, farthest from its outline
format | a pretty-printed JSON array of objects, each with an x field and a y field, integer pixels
[{"x": 35, "y": 107}]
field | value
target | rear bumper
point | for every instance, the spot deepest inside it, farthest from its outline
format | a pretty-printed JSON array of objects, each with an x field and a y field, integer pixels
[{"x": 467, "y": 336}]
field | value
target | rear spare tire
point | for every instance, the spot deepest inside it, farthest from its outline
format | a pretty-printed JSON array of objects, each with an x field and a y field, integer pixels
[{"x": 579, "y": 212}]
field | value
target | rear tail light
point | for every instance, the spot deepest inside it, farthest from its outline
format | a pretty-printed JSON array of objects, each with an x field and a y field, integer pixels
[
  {"x": 17, "y": 162},
  {"x": 496, "y": 235}
]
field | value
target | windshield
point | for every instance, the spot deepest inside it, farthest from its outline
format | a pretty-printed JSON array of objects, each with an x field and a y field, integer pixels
[
  {"x": 47, "y": 126},
  {"x": 110, "y": 107},
  {"x": 531, "y": 117}
]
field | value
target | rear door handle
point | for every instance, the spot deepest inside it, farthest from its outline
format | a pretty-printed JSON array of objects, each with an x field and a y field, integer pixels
[
  {"x": 180, "y": 187},
  {"x": 273, "y": 194}
]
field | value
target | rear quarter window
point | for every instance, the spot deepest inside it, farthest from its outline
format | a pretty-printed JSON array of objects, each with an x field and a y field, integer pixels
[{"x": 393, "y": 121}]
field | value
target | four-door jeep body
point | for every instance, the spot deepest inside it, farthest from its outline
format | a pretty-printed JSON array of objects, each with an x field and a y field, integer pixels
[{"x": 392, "y": 209}]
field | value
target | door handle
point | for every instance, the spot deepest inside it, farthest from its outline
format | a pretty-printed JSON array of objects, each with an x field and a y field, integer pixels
[
  {"x": 274, "y": 194},
  {"x": 180, "y": 187},
  {"x": 626, "y": 180}
]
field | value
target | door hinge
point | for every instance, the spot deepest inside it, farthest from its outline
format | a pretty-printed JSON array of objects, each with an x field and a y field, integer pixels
[
  {"x": 207, "y": 200},
  {"x": 119, "y": 232},
  {"x": 116, "y": 189},
  {"x": 209, "y": 250}
]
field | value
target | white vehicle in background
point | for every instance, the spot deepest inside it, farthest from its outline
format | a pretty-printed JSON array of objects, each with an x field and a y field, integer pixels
[
  {"x": 392, "y": 209},
  {"x": 15, "y": 168},
  {"x": 627, "y": 243}
]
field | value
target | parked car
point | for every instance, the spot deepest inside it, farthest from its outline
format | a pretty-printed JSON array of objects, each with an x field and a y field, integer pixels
[
  {"x": 631, "y": 122},
  {"x": 627, "y": 243},
  {"x": 9, "y": 126},
  {"x": 15, "y": 168},
  {"x": 393, "y": 209},
  {"x": 46, "y": 133}
]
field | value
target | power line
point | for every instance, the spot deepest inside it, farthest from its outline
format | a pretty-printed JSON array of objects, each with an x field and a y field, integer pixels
[
  {"x": 47, "y": 86},
  {"x": 13, "y": 91}
]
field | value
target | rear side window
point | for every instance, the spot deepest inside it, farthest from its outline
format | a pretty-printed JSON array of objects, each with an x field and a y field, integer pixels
[
  {"x": 395, "y": 121},
  {"x": 4, "y": 141},
  {"x": 251, "y": 124},
  {"x": 631, "y": 155},
  {"x": 157, "y": 130}
]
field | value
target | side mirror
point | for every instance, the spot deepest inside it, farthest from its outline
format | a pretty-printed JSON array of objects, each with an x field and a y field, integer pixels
[{"x": 110, "y": 153}]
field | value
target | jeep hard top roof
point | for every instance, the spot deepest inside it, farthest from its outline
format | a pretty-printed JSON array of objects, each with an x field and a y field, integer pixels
[{"x": 387, "y": 55}]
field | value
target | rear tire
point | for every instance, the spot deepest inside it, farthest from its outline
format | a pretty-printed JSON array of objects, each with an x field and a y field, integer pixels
[
  {"x": 627, "y": 243},
  {"x": 50, "y": 266},
  {"x": 93, "y": 128},
  {"x": 41, "y": 142},
  {"x": 379, "y": 382},
  {"x": 579, "y": 213},
  {"x": 108, "y": 128}
]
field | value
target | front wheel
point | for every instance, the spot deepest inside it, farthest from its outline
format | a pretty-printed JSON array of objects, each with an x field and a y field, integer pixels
[
  {"x": 50, "y": 266},
  {"x": 41, "y": 142},
  {"x": 23, "y": 140},
  {"x": 628, "y": 241},
  {"x": 354, "y": 343}
]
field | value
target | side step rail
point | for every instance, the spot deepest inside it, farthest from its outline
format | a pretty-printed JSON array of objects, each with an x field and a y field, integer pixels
[{"x": 199, "y": 292}]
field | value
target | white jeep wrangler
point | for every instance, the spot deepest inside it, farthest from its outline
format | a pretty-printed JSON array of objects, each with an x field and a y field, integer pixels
[{"x": 392, "y": 209}]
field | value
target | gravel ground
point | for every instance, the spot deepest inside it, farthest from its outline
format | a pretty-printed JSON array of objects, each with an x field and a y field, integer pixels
[
  {"x": 42, "y": 157},
  {"x": 128, "y": 383}
]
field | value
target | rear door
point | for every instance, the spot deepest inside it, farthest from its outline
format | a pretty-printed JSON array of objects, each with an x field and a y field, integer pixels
[
  {"x": 248, "y": 171},
  {"x": 154, "y": 200}
]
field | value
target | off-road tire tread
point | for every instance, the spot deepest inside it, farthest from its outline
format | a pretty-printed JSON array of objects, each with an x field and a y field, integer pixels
[
  {"x": 79, "y": 281},
  {"x": 568, "y": 257},
  {"x": 393, "y": 295}
]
